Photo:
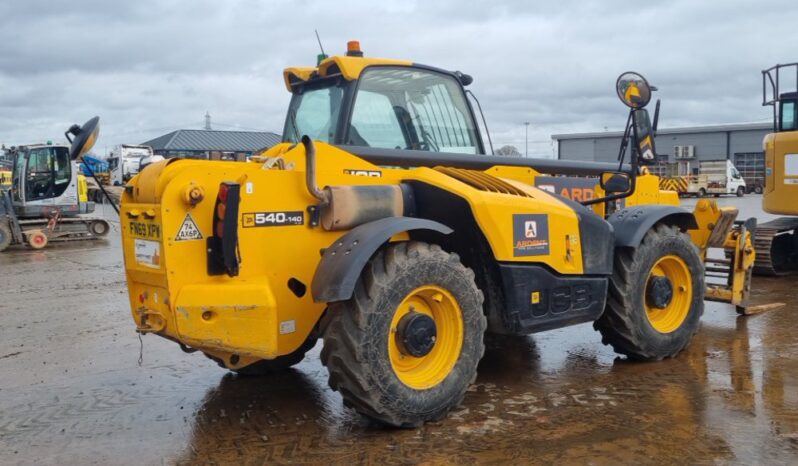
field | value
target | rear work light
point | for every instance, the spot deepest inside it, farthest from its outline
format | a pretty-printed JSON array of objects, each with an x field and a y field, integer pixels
[{"x": 223, "y": 257}]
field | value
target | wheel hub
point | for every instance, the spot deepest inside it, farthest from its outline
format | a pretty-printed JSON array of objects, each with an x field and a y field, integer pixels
[
  {"x": 659, "y": 292},
  {"x": 416, "y": 334}
]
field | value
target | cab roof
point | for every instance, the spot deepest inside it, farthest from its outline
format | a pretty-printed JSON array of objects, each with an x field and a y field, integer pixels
[{"x": 347, "y": 66}]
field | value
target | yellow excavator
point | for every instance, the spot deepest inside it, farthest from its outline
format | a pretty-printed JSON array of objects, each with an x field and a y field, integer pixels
[
  {"x": 381, "y": 226},
  {"x": 776, "y": 242}
]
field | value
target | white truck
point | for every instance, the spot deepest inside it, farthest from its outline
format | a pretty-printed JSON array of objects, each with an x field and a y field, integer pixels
[
  {"x": 125, "y": 160},
  {"x": 716, "y": 177}
]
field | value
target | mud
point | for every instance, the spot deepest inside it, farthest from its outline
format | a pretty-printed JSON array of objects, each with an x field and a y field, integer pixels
[{"x": 72, "y": 392}]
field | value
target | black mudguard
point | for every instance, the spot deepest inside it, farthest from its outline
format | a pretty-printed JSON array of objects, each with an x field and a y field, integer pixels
[
  {"x": 632, "y": 224},
  {"x": 342, "y": 262}
]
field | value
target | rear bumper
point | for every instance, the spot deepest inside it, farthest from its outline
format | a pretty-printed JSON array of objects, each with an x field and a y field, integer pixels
[{"x": 238, "y": 319}]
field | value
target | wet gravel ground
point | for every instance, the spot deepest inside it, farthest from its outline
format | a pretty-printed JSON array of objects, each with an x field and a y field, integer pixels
[{"x": 72, "y": 391}]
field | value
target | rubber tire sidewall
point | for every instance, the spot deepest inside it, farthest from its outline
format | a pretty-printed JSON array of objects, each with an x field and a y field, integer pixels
[
  {"x": 427, "y": 401},
  {"x": 740, "y": 191},
  {"x": 650, "y": 339}
]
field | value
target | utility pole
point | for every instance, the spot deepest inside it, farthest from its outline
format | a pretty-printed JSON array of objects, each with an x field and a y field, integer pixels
[
  {"x": 526, "y": 139},
  {"x": 207, "y": 121}
]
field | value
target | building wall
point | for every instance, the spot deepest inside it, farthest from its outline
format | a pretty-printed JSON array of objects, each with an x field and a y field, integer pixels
[{"x": 708, "y": 146}]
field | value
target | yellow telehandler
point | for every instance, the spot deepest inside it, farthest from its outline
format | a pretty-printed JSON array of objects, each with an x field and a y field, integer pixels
[{"x": 381, "y": 226}]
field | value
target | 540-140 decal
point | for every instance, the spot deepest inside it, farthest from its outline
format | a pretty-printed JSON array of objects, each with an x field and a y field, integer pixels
[{"x": 273, "y": 219}]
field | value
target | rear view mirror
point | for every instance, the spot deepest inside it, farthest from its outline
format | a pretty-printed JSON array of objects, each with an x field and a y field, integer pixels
[
  {"x": 615, "y": 182},
  {"x": 633, "y": 90},
  {"x": 84, "y": 137}
]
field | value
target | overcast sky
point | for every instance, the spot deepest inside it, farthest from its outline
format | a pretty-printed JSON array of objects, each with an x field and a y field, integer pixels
[{"x": 150, "y": 67}]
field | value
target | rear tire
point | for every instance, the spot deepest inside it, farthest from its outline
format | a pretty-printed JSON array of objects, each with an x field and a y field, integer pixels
[
  {"x": 631, "y": 323},
  {"x": 702, "y": 192},
  {"x": 758, "y": 189},
  {"x": 5, "y": 236},
  {"x": 37, "y": 239},
  {"x": 366, "y": 347}
]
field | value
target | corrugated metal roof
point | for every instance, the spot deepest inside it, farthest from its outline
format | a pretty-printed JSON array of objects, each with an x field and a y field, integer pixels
[
  {"x": 687, "y": 130},
  {"x": 204, "y": 140}
]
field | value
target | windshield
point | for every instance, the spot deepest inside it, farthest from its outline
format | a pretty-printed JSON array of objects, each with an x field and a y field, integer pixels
[
  {"x": 394, "y": 108},
  {"x": 314, "y": 112}
]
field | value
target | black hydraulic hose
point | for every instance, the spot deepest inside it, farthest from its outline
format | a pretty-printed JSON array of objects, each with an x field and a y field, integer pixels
[{"x": 105, "y": 193}]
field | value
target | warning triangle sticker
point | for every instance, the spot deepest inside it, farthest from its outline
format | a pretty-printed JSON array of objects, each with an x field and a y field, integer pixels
[{"x": 188, "y": 230}]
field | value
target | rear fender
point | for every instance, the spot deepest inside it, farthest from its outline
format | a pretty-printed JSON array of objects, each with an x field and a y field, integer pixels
[{"x": 342, "y": 262}]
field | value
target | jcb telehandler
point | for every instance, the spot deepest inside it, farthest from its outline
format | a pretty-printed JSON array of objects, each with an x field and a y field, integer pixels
[
  {"x": 47, "y": 197},
  {"x": 381, "y": 227}
]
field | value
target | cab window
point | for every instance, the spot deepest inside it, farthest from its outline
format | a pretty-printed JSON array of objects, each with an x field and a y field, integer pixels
[
  {"x": 48, "y": 173},
  {"x": 410, "y": 108},
  {"x": 314, "y": 112},
  {"x": 788, "y": 115}
]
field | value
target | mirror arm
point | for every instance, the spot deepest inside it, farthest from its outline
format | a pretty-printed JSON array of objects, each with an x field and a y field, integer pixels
[
  {"x": 630, "y": 128},
  {"x": 656, "y": 119}
]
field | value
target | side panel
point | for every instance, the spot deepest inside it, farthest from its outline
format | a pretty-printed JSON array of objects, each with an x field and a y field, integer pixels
[
  {"x": 537, "y": 299},
  {"x": 781, "y": 173}
]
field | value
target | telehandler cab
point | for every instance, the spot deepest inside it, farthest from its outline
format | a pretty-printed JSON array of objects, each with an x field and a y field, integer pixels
[{"x": 381, "y": 226}]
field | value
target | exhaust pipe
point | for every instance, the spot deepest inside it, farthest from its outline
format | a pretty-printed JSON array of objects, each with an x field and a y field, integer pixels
[{"x": 310, "y": 172}]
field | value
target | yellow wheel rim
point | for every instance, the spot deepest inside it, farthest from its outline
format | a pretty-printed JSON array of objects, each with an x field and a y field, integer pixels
[
  {"x": 670, "y": 317},
  {"x": 428, "y": 370}
]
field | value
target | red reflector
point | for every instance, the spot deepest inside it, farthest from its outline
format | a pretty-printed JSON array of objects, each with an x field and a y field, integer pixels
[
  {"x": 223, "y": 192},
  {"x": 220, "y": 210},
  {"x": 220, "y": 229},
  {"x": 141, "y": 298}
]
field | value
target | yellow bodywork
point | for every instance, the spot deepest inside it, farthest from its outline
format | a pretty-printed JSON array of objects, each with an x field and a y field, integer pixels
[
  {"x": 5, "y": 177},
  {"x": 349, "y": 67},
  {"x": 262, "y": 313},
  {"x": 256, "y": 315},
  {"x": 83, "y": 189},
  {"x": 781, "y": 173}
]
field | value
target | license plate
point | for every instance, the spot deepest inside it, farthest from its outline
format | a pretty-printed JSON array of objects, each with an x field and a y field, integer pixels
[{"x": 144, "y": 230}]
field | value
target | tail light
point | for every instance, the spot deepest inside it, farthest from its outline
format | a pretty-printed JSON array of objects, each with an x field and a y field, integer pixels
[{"x": 223, "y": 254}]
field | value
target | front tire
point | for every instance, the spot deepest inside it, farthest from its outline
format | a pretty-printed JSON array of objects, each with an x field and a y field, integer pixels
[
  {"x": 740, "y": 191},
  {"x": 656, "y": 296},
  {"x": 404, "y": 349}
]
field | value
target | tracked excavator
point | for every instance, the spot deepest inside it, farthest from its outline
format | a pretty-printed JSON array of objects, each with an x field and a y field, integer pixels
[
  {"x": 776, "y": 241},
  {"x": 46, "y": 200}
]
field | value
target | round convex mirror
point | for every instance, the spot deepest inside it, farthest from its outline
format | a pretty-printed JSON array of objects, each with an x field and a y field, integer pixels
[{"x": 633, "y": 89}]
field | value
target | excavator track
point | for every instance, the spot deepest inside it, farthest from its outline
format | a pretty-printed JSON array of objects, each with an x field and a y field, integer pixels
[{"x": 776, "y": 247}]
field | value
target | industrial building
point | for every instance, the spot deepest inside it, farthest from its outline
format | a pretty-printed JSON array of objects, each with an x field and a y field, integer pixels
[
  {"x": 212, "y": 144},
  {"x": 680, "y": 149}
]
